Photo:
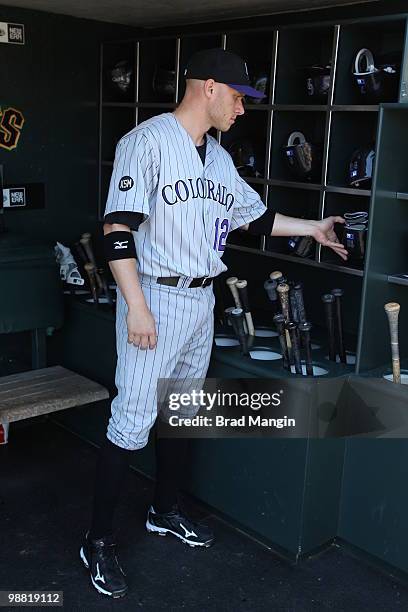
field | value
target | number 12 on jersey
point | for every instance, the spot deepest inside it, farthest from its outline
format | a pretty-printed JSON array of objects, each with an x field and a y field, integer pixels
[{"x": 221, "y": 233}]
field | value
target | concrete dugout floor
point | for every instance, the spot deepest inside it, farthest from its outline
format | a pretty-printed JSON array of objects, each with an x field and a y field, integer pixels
[{"x": 46, "y": 482}]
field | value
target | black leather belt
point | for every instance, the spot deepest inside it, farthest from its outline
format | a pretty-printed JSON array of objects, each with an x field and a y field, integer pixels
[{"x": 204, "y": 281}]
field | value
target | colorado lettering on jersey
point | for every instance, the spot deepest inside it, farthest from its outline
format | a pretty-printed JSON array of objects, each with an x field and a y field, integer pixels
[{"x": 191, "y": 188}]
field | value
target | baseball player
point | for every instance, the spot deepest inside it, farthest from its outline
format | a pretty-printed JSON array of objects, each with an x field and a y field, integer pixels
[{"x": 174, "y": 196}]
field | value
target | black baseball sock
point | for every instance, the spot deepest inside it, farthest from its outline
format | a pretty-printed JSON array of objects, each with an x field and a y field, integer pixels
[
  {"x": 171, "y": 456},
  {"x": 111, "y": 471}
]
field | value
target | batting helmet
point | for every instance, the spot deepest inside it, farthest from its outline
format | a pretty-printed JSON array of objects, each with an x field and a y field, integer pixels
[
  {"x": 121, "y": 76},
  {"x": 164, "y": 82},
  {"x": 376, "y": 82},
  {"x": 318, "y": 79},
  {"x": 361, "y": 167},
  {"x": 244, "y": 158},
  {"x": 303, "y": 158}
]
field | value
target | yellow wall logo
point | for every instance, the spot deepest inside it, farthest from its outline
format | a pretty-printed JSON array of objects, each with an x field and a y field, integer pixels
[{"x": 11, "y": 123}]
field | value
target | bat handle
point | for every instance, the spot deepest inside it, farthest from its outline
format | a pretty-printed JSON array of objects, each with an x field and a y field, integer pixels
[
  {"x": 292, "y": 328},
  {"x": 279, "y": 321},
  {"x": 304, "y": 329},
  {"x": 328, "y": 300},
  {"x": 338, "y": 293},
  {"x": 392, "y": 309}
]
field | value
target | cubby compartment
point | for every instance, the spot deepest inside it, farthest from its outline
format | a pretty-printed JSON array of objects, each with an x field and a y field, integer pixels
[
  {"x": 246, "y": 143},
  {"x": 116, "y": 123},
  {"x": 385, "y": 42},
  {"x": 256, "y": 50},
  {"x": 301, "y": 161},
  {"x": 352, "y": 132},
  {"x": 303, "y": 67},
  {"x": 354, "y": 238},
  {"x": 119, "y": 62},
  {"x": 302, "y": 203},
  {"x": 157, "y": 60},
  {"x": 188, "y": 46},
  {"x": 241, "y": 237}
]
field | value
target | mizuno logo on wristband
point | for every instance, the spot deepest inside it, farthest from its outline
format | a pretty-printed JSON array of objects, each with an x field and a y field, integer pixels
[{"x": 121, "y": 245}]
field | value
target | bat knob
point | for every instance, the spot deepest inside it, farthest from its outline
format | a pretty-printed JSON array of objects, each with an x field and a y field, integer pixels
[
  {"x": 305, "y": 326},
  {"x": 337, "y": 292},
  {"x": 282, "y": 287},
  {"x": 328, "y": 298},
  {"x": 392, "y": 307},
  {"x": 236, "y": 312}
]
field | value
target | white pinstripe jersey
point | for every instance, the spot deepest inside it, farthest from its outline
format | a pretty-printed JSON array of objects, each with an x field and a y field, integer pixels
[{"x": 188, "y": 208}]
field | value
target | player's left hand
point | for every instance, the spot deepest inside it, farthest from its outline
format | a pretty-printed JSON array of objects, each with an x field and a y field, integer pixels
[{"x": 325, "y": 235}]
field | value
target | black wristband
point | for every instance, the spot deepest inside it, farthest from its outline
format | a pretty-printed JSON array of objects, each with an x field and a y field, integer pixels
[
  {"x": 262, "y": 225},
  {"x": 119, "y": 245}
]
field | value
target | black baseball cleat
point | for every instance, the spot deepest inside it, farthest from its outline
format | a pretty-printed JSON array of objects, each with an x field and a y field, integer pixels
[
  {"x": 179, "y": 525},
  {"x": 99, "y": 556}
]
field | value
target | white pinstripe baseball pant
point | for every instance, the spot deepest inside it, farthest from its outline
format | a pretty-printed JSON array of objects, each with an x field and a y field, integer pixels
[{"x": 185, "y": 328}]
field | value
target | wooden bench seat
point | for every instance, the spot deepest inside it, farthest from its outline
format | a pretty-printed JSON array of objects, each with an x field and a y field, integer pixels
[{"x": 45, "y": 390}]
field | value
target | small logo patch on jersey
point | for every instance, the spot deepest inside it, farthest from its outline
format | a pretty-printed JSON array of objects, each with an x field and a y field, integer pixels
[{"x": 126, "y": 183}]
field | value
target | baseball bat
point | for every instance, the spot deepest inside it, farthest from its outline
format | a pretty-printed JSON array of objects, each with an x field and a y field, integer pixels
[
  {"x": 283, "y": 292},
  {"x": 279, "y": 321},
  {"x": 231, "y": 282},
  {"x": 106, "y": 291},
  {"x": 237, "y": 320},
  {"x": 87, "y": 246},
  {"x": 79, "y": 250},
  {"x": 300, "y": 306},
  {"x": 270, "y": 288},
  {"x": 275, "y": 275},
  {"x": 392, "y": 309},
  {"x": 242, "y": 287},
  {"x": 304, "y": 328},
  {"x": 328, "y": 300},
  {"x": 90, "y": 270},
  {"x": 227, "y": 313},
  {"x": 293, "y": 304},
  {"x": 338, "y": 294},
  {"x": 292, "y": 328}
]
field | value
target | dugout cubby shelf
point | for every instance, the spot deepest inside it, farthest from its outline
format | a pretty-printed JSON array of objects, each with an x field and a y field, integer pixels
[
  {"x": 157, "y": 60},
  {"x": 285, "y": 123},
  {"x": 348, "y": 133},
  {"x": 122, "y": 56},
  {"x": 341, "y": 122},
  {"x": 387, "y": 243},
  {"x": 293, "y": 203},
  {"x": 246, "y": 141},
  {"x": 298, "y": 50},
  {"x": 385, "y": 39}
]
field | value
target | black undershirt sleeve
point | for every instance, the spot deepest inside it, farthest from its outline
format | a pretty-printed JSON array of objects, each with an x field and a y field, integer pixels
[
  {"x": 262, "y": 225},
  {"x": 131, "y": 219}
]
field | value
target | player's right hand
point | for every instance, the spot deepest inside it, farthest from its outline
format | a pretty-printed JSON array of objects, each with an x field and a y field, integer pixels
[{"x": 141, "y": 328}]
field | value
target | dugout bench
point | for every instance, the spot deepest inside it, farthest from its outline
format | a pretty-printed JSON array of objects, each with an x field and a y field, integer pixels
[{"x": 33, "y": 301}]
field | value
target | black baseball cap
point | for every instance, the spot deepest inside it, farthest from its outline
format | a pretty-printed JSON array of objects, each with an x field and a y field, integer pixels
[{"x": 224, "y": 67}]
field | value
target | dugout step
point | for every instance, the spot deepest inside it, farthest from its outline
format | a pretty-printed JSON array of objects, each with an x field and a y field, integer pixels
[{"x": 46, "y": 390}]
